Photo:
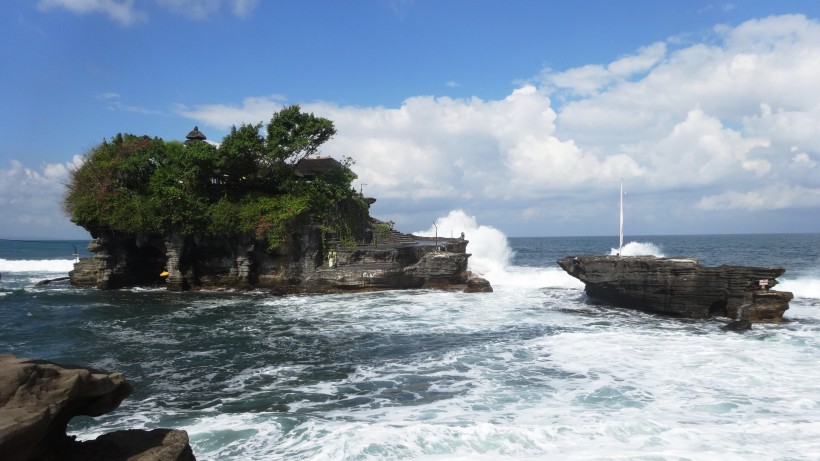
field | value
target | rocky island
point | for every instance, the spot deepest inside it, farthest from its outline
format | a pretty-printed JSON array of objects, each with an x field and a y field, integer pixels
[
  {"x": 681, "y": 286},
  {"x": 253, "y": 212}
]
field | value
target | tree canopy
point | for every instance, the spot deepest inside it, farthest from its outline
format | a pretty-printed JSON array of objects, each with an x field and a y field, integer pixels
[{"x": 143, "y": 186}]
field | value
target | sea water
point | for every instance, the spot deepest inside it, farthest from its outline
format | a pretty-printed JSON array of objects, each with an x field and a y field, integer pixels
[{"x": 534, "y": 370}]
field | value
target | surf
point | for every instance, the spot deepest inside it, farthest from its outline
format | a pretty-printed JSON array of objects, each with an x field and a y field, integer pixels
[{"x": 36, "y": 265}]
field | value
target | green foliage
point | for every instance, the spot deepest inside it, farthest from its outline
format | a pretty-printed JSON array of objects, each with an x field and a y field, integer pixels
[
  {"x": 139, "y": 185},
  {"x": 381, "y": 231},
  {"x": 275, "y": 217},
  {"x": 294, "y": 135},
  {"x": 240, "y": 151}
]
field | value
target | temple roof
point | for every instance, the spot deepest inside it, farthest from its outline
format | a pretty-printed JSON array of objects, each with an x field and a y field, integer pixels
[{"x": 195, "y": 135}]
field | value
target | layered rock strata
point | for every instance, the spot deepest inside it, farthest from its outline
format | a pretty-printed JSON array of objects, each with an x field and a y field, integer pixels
[
  {"x": 39, "y": 398},
  {"x": 681, "y": 286},
  {"x": 307, "y": 264}
]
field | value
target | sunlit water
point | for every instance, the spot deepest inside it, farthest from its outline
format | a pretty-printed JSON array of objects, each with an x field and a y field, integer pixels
[{"x": 533, "y": 370}]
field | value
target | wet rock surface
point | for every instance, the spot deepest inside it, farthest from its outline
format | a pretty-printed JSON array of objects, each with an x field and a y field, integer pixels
[{"x": 681, "y": 286}]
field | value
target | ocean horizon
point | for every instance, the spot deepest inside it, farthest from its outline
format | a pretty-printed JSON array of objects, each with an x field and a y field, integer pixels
[{"x": 533, "y": 370}]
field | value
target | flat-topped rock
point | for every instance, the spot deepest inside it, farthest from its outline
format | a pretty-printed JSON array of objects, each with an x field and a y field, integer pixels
[{"x": 681, "y": 286}]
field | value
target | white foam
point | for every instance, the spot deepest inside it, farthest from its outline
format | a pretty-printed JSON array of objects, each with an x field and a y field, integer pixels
[
  {"x": 491, "y": 255},
  {"x": 488, "y": 245},
  {"x": 36, "y": 265},
  {"x": 638, "y": 249},
  {"x": 807, "y": 287},
  {"x": 533, "y": 277}
]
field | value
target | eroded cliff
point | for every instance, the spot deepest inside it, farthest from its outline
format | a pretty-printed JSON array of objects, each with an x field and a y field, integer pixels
[
  {"x": 309, "y": 263},
  {"x": 681, "y": 286}
]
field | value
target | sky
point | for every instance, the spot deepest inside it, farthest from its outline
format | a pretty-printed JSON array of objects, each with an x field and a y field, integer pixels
[{"x": 522, "y": 115}]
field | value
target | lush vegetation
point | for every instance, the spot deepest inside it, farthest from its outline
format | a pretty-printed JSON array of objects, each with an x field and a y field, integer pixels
[{"x": 146, "y": 186}]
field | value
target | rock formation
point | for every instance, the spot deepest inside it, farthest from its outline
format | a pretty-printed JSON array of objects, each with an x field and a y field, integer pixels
[
  {"x": 681, "y": 286},
  {"x": 309, "y": 263},
  {"x": 39, "y": 398}
]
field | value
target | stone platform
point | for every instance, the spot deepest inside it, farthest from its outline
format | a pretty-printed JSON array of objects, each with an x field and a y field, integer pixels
[{"x": 681, "y": 286}]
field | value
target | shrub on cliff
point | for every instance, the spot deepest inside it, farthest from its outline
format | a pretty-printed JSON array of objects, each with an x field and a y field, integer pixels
[{"x": 146, "y": 186}]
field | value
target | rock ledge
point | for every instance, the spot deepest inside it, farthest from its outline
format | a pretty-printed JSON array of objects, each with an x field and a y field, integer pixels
[{"x": 681, "y": 286}]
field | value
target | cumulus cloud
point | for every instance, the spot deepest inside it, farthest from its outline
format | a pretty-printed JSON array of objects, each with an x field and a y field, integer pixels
[
  {"x": 729, "y": 124},
  {"x": 30, "y": 198},
  {"x": 717, "y": 115},
  {"x": 695, "y": 128},
  {"x": 434, "y": 148}
]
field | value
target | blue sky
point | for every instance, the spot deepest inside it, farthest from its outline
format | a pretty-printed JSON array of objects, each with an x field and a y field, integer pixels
[{"x": 523, "y": 114}]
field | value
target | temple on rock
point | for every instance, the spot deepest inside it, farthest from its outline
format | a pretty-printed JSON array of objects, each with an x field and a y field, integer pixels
[{"x": 195, "y": 136}]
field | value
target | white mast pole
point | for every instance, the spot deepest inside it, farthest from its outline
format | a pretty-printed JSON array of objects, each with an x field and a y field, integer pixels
[{"x": 621, "y": 233}]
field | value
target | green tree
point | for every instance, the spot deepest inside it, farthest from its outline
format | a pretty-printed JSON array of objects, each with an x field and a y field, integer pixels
[
  {"x": 139, "y": 185},
  {"x": 240, "y": 152},
  {"x": 294, "y": 135}
]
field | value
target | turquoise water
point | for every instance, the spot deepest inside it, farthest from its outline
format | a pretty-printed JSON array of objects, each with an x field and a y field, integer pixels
[{"x": 531, "y": 371}]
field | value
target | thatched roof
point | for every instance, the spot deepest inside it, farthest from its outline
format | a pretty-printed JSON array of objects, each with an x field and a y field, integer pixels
[{"x": 195, "y": 135}]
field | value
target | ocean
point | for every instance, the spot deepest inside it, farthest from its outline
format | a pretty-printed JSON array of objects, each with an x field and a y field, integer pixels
[{"x": 534, "y": 370}]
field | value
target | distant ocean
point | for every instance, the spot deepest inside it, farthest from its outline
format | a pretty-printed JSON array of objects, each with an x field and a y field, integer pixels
[{"x": 532, "y": 371}]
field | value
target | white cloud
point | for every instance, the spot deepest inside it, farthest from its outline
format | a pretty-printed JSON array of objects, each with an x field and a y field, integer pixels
[
  {"x": 593, "y": 78},
  {"x": 712, "y": 126},
  {"x": 30, "y": 199},
  {"x": 711, "y": 116},
  {"x": 766, "y": 198},
  {"x": 201, "y": 9},
  {"x": 120, "y": 11},
  {"x": 222, "y": 116},
  {"x": 729, "y": 125},
  {"x": 438, "y": 148},
  {"x": 699, "y": 151},
  {"x": 125, "y": 12}
]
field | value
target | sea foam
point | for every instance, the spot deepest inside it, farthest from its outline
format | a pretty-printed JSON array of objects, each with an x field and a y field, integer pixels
[
  {"x": 491, "y": 255},
  {"x": 805, "y": 287},
  {"x": 36, "y": 265},
  {"x": 638, "y": 249}
]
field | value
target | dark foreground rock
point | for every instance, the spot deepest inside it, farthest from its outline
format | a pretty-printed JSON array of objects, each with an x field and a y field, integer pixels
[
  {"x": 681, "y": 286},
  {"x": 39, "y": 398},
  {"x": 308, "y": 263}
]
